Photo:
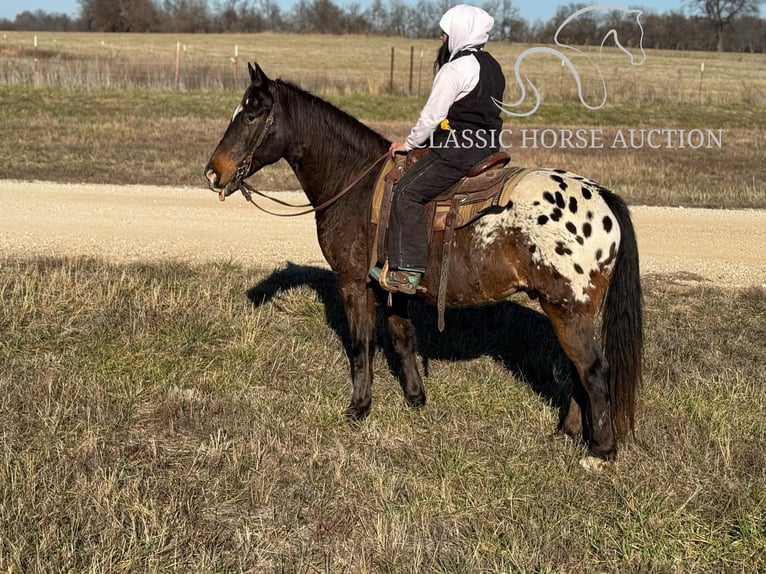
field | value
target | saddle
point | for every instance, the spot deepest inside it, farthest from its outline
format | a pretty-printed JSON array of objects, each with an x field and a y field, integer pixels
[{"x": 488, "y": 184}]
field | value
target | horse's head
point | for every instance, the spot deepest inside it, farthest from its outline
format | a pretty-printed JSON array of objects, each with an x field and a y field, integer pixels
[{"x": 251, "y": 140}]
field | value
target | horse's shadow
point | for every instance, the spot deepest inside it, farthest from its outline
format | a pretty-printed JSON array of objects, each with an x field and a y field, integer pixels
[{"x": 519, "y": 338}]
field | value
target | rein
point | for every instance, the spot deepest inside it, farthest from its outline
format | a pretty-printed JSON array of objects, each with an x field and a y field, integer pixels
[{"x": 248, "y": 191}]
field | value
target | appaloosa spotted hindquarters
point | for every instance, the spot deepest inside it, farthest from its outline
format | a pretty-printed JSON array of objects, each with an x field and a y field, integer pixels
[
  {"x": 563, "y": 239},
  {"x": 565, "y": 224}
]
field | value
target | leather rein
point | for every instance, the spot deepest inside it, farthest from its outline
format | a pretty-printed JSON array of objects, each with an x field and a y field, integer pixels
[{"x": 248, "y": 191}]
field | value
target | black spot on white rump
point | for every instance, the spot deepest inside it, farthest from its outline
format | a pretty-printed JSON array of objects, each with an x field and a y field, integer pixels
[
  {"x": 560, "y": 180},
  {"x": 607, "y": 223},
  {"x": 586, "y": 193},
  {"x": 548, "y": 196},
  {"x": 542, "y": 220},
  {"x": 571, "y": 227},
  {"x": 562, "y": 249},
  {"x": 573, "y": 204}
]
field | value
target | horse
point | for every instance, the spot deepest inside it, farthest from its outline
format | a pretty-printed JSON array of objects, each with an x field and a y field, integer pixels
[{"x": 563, "y": 239}]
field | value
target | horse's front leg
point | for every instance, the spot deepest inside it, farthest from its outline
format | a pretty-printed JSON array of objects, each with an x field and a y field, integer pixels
[
  {"x": 359, "y": 303},
  {"x": 404, "y": 342}
]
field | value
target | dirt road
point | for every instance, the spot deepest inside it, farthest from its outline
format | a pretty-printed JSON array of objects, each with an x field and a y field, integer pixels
[{"x": 130, "y": 223}]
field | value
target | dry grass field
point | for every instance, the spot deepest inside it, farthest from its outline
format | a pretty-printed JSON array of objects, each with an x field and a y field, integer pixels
[
  {"x": 361, "y": 64},
  {"x": 105, "y": 108},
  {"x": 164, "y": 417}
]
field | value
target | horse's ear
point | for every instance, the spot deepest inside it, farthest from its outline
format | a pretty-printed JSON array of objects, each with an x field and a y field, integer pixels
[{"x": 257, "y": 75}]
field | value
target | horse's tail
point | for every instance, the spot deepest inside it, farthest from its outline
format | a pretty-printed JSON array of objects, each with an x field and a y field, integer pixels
[{"x": 622, "y": 331}]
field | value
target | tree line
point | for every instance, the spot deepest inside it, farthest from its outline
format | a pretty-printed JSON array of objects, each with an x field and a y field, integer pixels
[{"x": 731, "y": 25}]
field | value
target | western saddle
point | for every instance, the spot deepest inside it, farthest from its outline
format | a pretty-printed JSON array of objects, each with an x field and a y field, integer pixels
[{"x": 488, "y": 184}]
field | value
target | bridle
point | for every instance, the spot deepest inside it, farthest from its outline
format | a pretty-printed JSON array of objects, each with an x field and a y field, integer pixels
[
  {"x": 247, "y": 190},
  {"x": 244, "y": 167}
]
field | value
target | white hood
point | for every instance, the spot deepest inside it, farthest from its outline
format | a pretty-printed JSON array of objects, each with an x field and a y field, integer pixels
[{"x": 466, "y": 26}]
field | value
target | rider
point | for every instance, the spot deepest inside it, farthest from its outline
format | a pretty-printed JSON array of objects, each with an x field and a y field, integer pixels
[{"x": 459, "y": 123}]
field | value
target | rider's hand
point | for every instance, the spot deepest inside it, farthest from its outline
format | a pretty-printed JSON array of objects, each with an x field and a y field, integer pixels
[{"x": 397, "y": 147}]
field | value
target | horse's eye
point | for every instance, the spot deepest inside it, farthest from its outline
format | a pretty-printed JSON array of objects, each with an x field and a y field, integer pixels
[{"x": 250, "y": 117}]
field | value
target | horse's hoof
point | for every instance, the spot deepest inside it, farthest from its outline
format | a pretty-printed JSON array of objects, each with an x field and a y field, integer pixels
[
  {"x": 595, "y": 464},
  {"x": 416, "y": 402},
  {"x": 574, "y": 433},
  {"x": 354, "y": 414}
]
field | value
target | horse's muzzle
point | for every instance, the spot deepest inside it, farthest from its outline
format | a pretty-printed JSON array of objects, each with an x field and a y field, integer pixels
[{"x": 213, "y": 183}]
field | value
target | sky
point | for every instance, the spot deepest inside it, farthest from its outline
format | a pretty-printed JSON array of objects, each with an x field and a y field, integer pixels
[{"x": 530, "y": 10}]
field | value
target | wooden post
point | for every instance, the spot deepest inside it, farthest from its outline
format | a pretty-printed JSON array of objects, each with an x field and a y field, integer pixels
[
  {"x": 702, "y": 73},
  {"x": 412, "y": 67},
  {"x": 234, "y": 64},
  {"x": 35, "y": 61},
  {"x": 420, "y": 71},
  {"x": 178, "y": 64},
  {"x": 561, "y": 80},
  {"x": 391, "y": 74}
]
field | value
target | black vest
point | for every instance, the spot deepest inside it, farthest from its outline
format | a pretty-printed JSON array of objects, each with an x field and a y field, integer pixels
[{"x": 474, "y": 118}]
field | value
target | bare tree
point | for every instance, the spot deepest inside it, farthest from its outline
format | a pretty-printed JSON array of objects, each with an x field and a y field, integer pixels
[
  {"x": 186, "y": 16},
  {"x": 507, "y": 20},
  {"x": 102, "y": 15},
  {"x": 139, "y": 16},
  {"x": 39, "y": 20},
  {"x": 721, "y": 13}
]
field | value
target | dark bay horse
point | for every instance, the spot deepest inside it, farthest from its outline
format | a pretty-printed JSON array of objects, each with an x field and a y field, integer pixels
[{"x": 563, "y": 239}]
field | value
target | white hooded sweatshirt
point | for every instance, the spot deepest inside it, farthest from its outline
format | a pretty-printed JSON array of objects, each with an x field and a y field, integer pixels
[{"x": 467, "y": 27}]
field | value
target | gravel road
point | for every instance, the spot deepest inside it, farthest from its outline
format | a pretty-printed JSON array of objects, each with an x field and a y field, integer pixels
[{"x": 132, "y": 223}]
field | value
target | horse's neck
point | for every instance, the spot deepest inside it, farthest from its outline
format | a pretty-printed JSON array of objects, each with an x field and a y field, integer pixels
[{"x": 325, "y": 162}]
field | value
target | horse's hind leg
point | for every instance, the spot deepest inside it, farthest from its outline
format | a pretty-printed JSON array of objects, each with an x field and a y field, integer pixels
[
  {"x": 576, "y": 334},
  {"x": 359, "y": 303},
  {"x": 572, "y": 421},
  {"x": 404, "y": 341}
]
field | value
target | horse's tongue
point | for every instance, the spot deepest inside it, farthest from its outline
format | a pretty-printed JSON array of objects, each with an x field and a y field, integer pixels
[{"x": 222, "y": 195}]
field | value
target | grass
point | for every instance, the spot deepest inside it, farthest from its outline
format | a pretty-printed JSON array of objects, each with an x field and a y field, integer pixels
[
  {"x": 167, "y": 418},
  {"x": 162, "y": 137},
  {"x": 362, "y": 64},
  {"x": 104, "y": 108},
  {"x": 161, "y": 417}
]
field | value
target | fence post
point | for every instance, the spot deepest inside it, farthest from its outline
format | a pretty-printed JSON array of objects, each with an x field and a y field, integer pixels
[
  {"x": 420, "y": 71},
  {"x": 412, "y": 66},
  {"x": 561, "y": 80},
  {"x": 702, "y": 73},
  {"x": 36, "y": 65},
  {"x": 391, "y": 73},
  {"x": 178, "y": 63},
  {"x": 234, "y": 64}
]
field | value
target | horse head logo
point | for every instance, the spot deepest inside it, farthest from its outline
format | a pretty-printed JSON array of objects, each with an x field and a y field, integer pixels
[{"x": 509, "y": 108}]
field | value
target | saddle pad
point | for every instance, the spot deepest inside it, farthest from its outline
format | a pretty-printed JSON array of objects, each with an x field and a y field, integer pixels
[
  {"x": 380, "y": 188},
  {"x": 499, "y": 181},
  {"x": 474, "y": 195}
]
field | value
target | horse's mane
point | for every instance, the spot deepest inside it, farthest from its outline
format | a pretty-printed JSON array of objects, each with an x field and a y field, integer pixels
[{"x": 340, "y": 133}]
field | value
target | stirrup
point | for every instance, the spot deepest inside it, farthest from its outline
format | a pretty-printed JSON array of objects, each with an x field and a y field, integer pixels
[{"x": 396, "y": 281}]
